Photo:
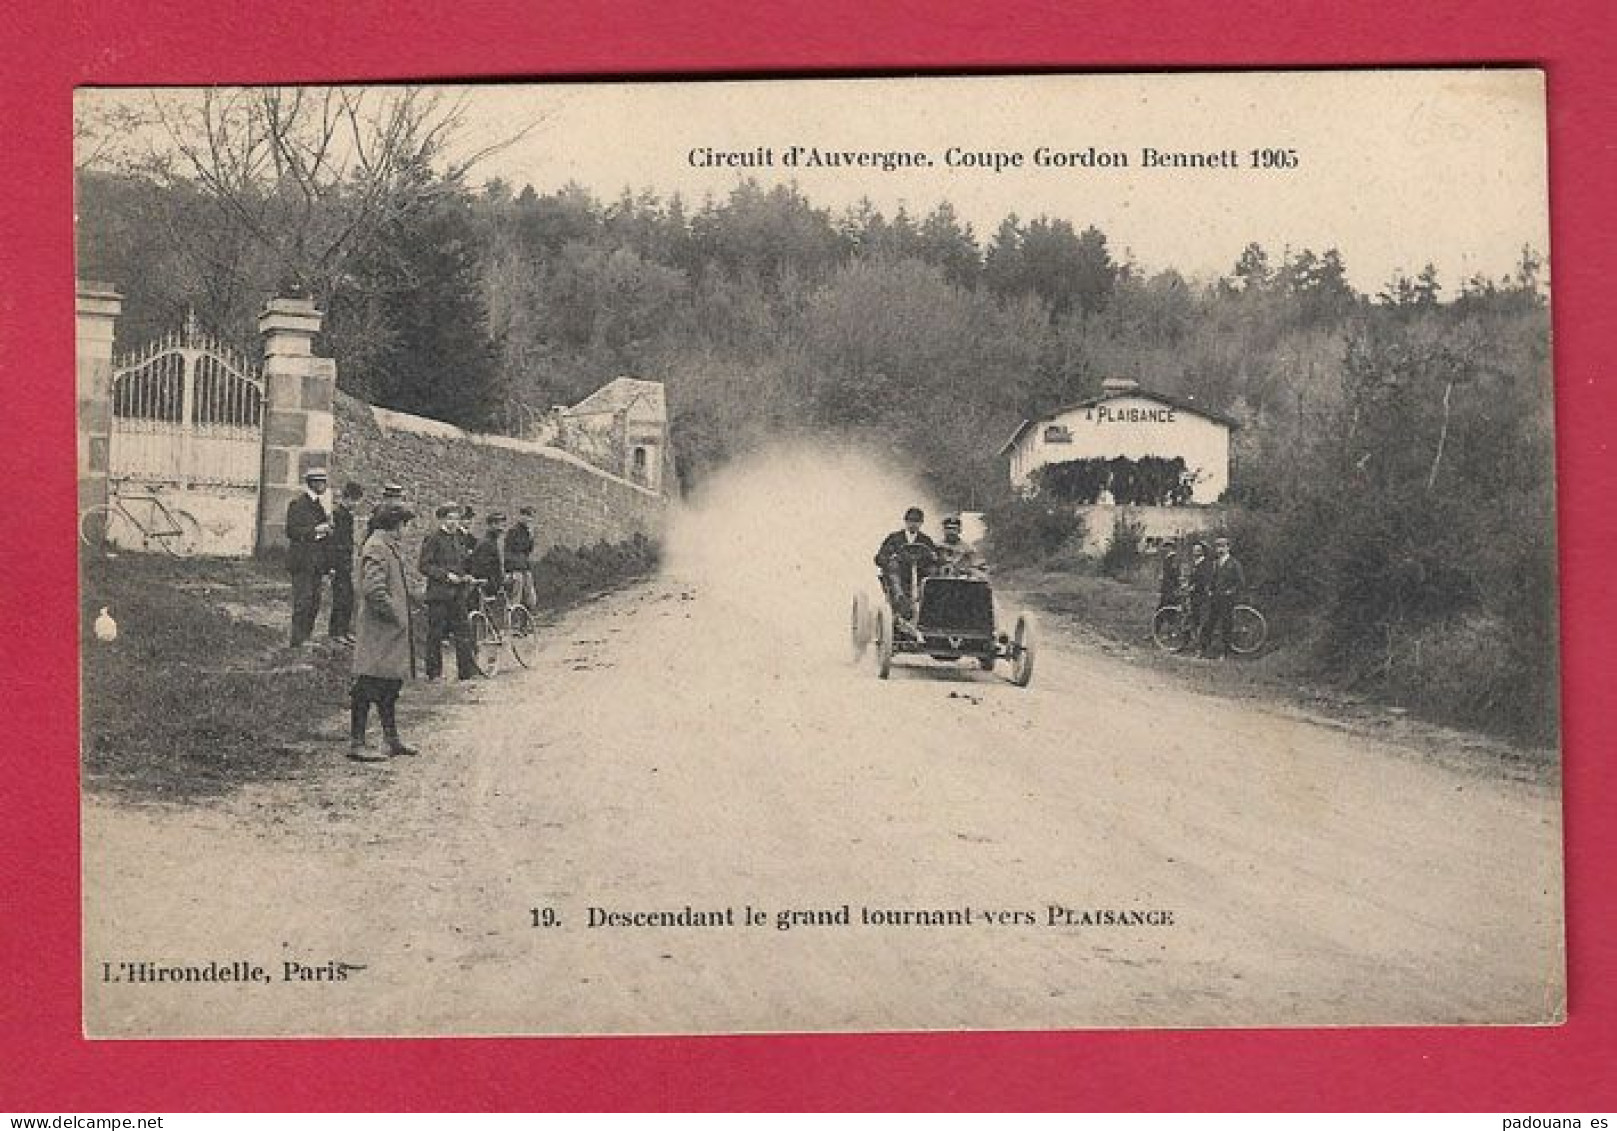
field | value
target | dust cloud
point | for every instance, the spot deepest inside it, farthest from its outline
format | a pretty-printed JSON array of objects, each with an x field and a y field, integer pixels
[{"x": 779, "y": 542}]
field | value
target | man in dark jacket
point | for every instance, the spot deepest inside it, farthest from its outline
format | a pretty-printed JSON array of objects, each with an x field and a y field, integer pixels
[
  {"x": 487, "y": 561},
  {"x": 468, "y": 537},
  {"x": 899, "y": 550},
  {"x": 340, "y": 562},
  {"x": 443, "y": 564},
  {"x": 1228, "y": 582},
  {"x": 308, "y": 529},
  {"x": 1200, "y": 589},
  {"x": 519, "y": 558}
]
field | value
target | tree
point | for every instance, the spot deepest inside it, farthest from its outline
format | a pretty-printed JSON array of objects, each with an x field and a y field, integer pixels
[
  {"x": 951, "y": 246},
  {"x": 410, "y": 325},
  {"x": 1251, "y": 272},
  {"x": 311, "y": 175}
]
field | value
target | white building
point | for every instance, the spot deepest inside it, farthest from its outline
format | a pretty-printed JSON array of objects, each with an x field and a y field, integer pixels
[{"x": 1130, "y": 422}]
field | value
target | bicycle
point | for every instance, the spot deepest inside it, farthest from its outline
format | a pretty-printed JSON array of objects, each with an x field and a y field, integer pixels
[
  {"x": 1174, "y": 628},
  {"x": 110, "y": 525},
  {"x": 499, "y": 622}
]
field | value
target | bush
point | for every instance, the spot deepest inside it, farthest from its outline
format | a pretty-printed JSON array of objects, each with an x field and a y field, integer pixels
[
  {"x": 1150, "y": 481},
  {"x": 1467, "y": 671},
  {"x": 1027, "y": 532},
  {"x": 1122, "y": 556},
  {"x": 564, "y": 574}
]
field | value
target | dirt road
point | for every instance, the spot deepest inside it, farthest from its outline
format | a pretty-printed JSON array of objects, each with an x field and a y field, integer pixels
[{"x": 681, "y": 744}]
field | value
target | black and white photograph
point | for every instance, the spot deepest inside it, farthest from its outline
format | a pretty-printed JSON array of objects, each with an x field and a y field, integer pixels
[{"x": 1034, "y": 552}]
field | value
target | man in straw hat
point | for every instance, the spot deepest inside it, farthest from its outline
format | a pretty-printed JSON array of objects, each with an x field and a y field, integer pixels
[{"x": 308, "y": 528}]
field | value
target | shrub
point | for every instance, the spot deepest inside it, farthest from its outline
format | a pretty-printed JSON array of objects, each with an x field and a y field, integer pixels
[
  {"x": 1122, "y": 556},
  {"x": 1467, "y": 671},
  {"x": 1026, "y": 531},
  {"x": 1148, "y": 481}
]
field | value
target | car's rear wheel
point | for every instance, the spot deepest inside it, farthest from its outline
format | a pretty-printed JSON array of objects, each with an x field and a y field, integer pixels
[
  {"x": 859, "y": 626},
  {"x": 884, "y": 643},
  {"x": 1024, "y": 646}
]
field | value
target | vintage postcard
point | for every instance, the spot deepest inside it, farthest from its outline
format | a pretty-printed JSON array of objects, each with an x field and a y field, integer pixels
[{"x": 765, "y": 556}]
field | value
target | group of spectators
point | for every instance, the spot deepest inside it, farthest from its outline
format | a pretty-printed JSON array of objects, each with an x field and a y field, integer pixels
[
  {"x": 461, "y": 565},
  {"x": 1208, "y": 587},
  {"x": 458, "y": 564}
]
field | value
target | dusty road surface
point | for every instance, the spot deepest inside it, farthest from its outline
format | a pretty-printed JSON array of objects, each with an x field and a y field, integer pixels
[{"x": 697, "y": 742}]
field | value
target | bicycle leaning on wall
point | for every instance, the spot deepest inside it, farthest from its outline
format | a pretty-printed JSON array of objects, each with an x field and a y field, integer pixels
[{"x": 140, "y": 521}]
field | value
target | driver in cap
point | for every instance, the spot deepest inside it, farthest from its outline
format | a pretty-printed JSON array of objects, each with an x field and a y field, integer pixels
[{"x": 899, "y": 550}]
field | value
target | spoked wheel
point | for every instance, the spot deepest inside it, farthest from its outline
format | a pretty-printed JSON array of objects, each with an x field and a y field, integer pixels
[
  {"x": 859, "y": 626},
  {"x": 1172, "y": 628},
  {"x": 183, "y": 540},
  {"x": 1248, "y": 630},
  {"x": 1024, "y": 646},
  {"x": 884, "y": 643},
  {"x": 524, "y": 637},
  {"x": 105, "y": 530},
  {"x": 485, "y": 644}
]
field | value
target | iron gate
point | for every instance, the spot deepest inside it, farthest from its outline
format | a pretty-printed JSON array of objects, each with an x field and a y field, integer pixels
[{"x": 188, "y": 419}]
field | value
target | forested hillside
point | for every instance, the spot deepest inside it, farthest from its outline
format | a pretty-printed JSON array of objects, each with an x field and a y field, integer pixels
[{"x": 1395, "y": 452}]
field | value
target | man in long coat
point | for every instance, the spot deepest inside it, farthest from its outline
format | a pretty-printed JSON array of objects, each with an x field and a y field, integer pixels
[{"x": 384, "y": 651}]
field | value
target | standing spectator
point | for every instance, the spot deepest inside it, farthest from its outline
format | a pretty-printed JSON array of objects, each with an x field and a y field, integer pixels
[
  {"x": 519, "y": 559},
  {"x": 486, "y": 563},
  {"x": 1169, "y": 582},
  {"x": 468, "y": 543},
  {"x": 1228, "y": 582},
  {"x": 308, "y": 526},
  {"x": 340, "y": 555},
  {"x": 391, "y": 493},
  {"x": 384, "y": 656},
  {"x": 1199, "y": 589},
  {"x": 443, "y": 563}
]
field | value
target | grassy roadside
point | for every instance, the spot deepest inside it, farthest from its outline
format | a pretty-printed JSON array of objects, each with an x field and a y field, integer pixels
[
  {"x": 1115, "y": 616},
  {"x": 199, "y": 694}
]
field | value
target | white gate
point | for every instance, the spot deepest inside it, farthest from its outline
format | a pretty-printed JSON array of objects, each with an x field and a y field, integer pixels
[{"x": 187, "y": 426}]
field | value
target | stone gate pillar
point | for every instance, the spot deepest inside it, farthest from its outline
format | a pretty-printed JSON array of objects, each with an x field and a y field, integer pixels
[
  {"x": 98, "y": 308},
  {"x": 298, "y": 427}
]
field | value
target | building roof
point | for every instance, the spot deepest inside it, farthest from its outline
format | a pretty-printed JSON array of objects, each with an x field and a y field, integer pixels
[
  {"x": 617, "y": 395},
  {"x": 1169, "y": 399}
]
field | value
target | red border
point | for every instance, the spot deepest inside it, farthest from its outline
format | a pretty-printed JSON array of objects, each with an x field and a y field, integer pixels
[{"x": 45, "y": 1065}]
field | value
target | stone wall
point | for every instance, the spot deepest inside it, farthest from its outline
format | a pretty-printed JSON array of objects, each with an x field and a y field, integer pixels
[
  {"x": 1156, "y": 523},
  {"x": 577, "y": 504}
]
